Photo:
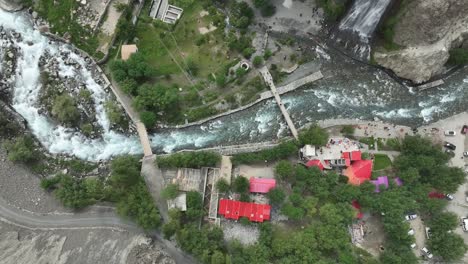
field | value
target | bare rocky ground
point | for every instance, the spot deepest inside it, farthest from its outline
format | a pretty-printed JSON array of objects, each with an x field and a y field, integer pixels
[
  {"x": 427, "y": 30},
  {"x": 20, "y": 244}
]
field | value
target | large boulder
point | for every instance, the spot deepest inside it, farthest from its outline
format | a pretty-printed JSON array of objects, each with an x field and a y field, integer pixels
[
  {"x": 426, "y": 32},
  {"x": 11, "y": 5}
]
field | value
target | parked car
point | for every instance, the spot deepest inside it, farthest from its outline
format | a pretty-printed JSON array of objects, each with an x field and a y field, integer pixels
[
  {"x": 465, "y": 224},
  {"x": 428, "y": 232},
  {"x": 449, "y": 196},
  {"x": 465, "y": 154},
  {"x": 411, "y": 232},
  {"x": 450, "y": 145},
  {"x": 426, "y": 253},
  {"x": 464, "y": 129},
  {"x": 413, "y": 245},
  {"x": 409, "y": 217},
  {"x": 450, "y": 133}
]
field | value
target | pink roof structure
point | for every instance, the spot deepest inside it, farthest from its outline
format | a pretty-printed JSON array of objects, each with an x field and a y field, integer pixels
[
  {"x": 316, "y": 163},
  {"x": 359, "y": 171},
  {"x": 235, "y": 209},
  {"x": 261, "y": 185}
]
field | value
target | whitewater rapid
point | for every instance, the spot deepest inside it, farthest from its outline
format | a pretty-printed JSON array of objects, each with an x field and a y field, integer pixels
[{"x": 349, "y": 90}]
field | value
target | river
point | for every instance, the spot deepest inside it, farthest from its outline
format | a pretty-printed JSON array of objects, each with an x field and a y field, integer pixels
[{"x": 349, "y": 90}]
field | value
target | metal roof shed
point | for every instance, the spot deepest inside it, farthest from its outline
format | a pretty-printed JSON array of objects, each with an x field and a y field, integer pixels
[{"x": 261, "y": 185}]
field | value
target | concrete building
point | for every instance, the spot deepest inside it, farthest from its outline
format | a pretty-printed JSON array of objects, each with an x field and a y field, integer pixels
[{"x": 162, "y": 10}]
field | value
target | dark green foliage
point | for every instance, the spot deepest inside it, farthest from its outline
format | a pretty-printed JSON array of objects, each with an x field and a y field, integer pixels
[
  {"x": 115, "y": 114},
  {"x": 194, "y": 206},
  {"x": 223, "y": 186},
  {"x": 139, "y": 206},
  {"x": 458, "y": 56},
  {"x": 65, "y": 109},
  {"x": 148, "y": 118},
  {"x": 282, "y": 151},
  {"x": 135, "y": 68},
  {"x": 240, "y": 184},
  {"x": 276, "y": 196},
  {"x": 202, "y": 243},
  {"x": 8, "y": 128},
  {"x": 21, "y": 149},
  {"x": 129, "y": 86},
  {"x": 125, "y": 172},
  {"x": 393, "y": 144},
  {"x": 192, "y": 67},
  {"x": 333, "y": 9},
  {"x": 348, "y": 130},
  {"x": 292, "y": 212},
  {"x": 241, "y": 14},
  {"x": 170, "y": 191},
  {"x": 449, "y": 246},
  {"x": 49, "y": 183},
  {"x": 284, "y": 170},
  {"x": 156, "y": 98},
  {"x": 314, "y": 135},
  {"x": 257, "y": 61},
  {"x": 72, "y": 192},
  {"x": 196, "y": 159}
]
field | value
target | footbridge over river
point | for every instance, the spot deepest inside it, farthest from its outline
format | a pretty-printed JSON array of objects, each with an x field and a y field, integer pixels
[{"x": 149, "y": 168}]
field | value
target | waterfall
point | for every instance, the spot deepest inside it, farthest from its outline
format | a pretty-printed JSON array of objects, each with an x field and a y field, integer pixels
[{"x": 357, "y": 28}]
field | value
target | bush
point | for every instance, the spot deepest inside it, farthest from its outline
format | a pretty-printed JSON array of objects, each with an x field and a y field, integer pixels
[
  {"x": 314, "y": 135},
  {"x": 348, "y": 130},
  {"x": 50, "y": 183},
  {"x": 64, "y": 108},
  {"x": 458, "y": 56},
  {"x": 7, "y": 128},
  {"x": 195, "y": 159},
  {"x": 148, "y": 118},
  {"x": 87, "y": 129},
  {"x": 21, "y": 149},
  {"x": 241, "y": 184},
  {"x": 223, "y": 186},
  {"x": 72, "y": 192},
  {"x": 170, "y": 191},
  {"x": 114, "y": 113},
  {"x": 333, "y": 8},
  {"x": 276, "y": 196},
  {"x": 257, "y": 61}
]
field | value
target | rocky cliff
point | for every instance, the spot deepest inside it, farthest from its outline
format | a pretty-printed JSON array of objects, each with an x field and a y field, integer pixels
[
  {"x": 11, "y": 5},
  {"x": 426, "y": 31}
]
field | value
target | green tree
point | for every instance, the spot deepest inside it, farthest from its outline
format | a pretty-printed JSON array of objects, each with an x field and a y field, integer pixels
[
  {"x": 449, "y": 246},
  {"x": 218, "y": 258},
  {"x": 114, "y": 113},
  {"x": 314, "y": 135},
  {"x": 194, "y": 206},
  {"x": 170, "y": 191},
  {"x": 156, "y": 98},
  {"x": 50, "y": 183},
  {"x": 348, "y": 130},
  {"x": 292, "y": 212},
  {"x": 148, "y": 118},
  {"x": 276, "y": 196},
  {"x": 64, "y": 108},
  {"x": 284, "y": 170},
  {"x": 223, "y": 186},
  {"x": 443, "y": 222},
  {"x": 257, "y": 61},
  {"x": 241, "y": 184},
  {"x": 409, "y": 175},
  {"x": 195, "y": 159},
  {"x": 21, "y": 149},
  {"x": 125, "y": 172},
  {"x": 72, "y": 192}
]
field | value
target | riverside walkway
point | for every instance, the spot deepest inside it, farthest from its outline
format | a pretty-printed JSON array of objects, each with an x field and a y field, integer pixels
[{"x": 269, "y": 80}]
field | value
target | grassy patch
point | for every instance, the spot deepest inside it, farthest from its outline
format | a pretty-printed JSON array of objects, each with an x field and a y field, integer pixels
[
  {"x": 381, "y": 161},
  {"x": 387, "y": 30}
]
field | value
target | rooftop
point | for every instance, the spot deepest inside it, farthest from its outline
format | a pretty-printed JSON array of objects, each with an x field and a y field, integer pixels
[
  {"x": 235, "y": 209},
  {"x": 261, "y": 185}
]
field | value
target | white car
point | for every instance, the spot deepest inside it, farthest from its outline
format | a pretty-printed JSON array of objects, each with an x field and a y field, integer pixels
[
  {"x": 465, "y": 154},
  {"x": 465, "y": 224},
  {"x": 428, "y": 232},
  {"x": 413, "y": 245},
  {"x": 411, "y": 232},
  {"x": 426, "y": 252},
  {"x": 409, "y": 217},
  {"x": 449, "y": 196},
  {"x": 450, "y": 133}
]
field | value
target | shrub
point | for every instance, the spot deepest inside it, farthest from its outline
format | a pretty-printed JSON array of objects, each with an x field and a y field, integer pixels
[
  {"x": 283, "y": 151},
  {"x": 196, "y": 159},
  {"x": 348, "y": 130},
  {"x": 87, "y": 129},
  {"x": 257, "y": 61},
  {"x": 314, "y": 135},
  {"x": 21, "y": 149},
  {"x": 7, "y": 127},
  {"x": 148, "y": 118},
  {"x": 241, "y": 184},
  {"x": 170, "y": 191},
  {"x": 114, "y": 113},
  {"x": 49, "y": 183},
  {"x": 458, "y": 56},
  {"x": 64, "y": 108},
  {"x": 222, "y": 185},
  {"x": 276, "y": 196}
]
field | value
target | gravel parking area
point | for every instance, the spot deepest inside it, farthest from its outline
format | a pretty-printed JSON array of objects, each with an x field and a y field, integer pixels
[{"x": 245, "y": 234}]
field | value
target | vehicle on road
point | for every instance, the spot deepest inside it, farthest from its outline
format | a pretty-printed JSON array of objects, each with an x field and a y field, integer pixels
[
  {"x": 411, "y": 232},
  {"x": 464, "y": 129},
  {"x": 464, "y": 221},
  {"x": 450, "y": 133},
  {"x": 409, "y": 217},
  {"x": 428, "y": 232},
  {"x": 413, "y": 245},
  {"x": 449, "y": 196},
  {"x": 465, "y": 154},
  {"x": 426, "y": 252},
  {"x": 449, "y": 145}
]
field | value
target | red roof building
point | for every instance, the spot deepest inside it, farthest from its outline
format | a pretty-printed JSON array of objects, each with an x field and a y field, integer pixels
[
  {"x": 261, "y": 185},
  {"x": 316, "y": 163},
  {"x": 231, "y": 209},
  {"x": 359, "y": 171}
]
